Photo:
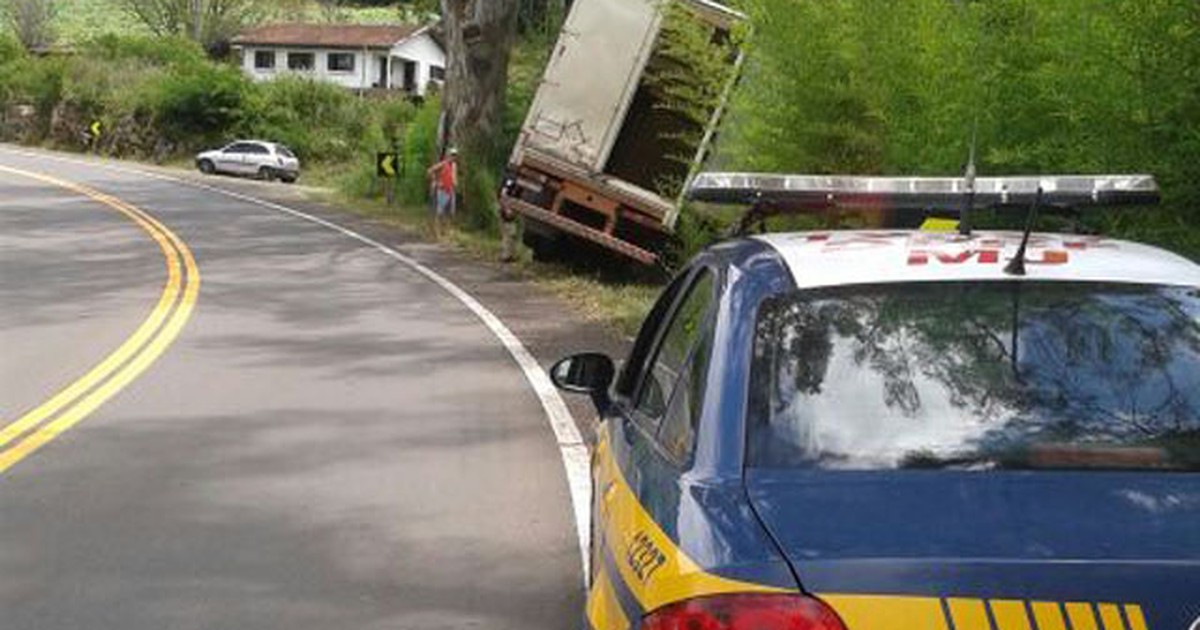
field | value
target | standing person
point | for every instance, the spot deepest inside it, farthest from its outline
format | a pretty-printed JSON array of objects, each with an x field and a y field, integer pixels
[
  {"x": 444, "y": 175},
  {"x": 508, "y": 221}
]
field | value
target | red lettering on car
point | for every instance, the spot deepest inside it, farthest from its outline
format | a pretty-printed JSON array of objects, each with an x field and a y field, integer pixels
[
  {"x": 983, "y": 256},
  {"x": 1050, "y": 257}
]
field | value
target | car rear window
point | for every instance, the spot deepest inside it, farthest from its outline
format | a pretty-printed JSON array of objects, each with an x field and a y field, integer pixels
[
  {"x": 286, "y": 152},
  {"x": 978, "y": 375}
]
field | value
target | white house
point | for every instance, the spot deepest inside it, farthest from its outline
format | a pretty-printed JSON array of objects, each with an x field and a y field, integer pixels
[{"x": 399, "y": 57}]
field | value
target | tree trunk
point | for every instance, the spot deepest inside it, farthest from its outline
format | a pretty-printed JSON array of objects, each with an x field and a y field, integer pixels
[{"x": 479, "y": 36}]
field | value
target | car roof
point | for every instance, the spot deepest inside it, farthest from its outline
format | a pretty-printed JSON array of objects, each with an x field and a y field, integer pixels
[{"x": 833, "y": 258}]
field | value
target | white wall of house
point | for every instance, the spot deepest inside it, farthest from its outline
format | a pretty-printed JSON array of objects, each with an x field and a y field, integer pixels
[
  {"x": 365, "y": 72},
  {"x": 424, "y": 52},
  {"x": 420, "y": 50}
]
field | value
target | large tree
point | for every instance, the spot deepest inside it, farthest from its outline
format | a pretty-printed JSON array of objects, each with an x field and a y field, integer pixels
[
  {"x": 32, "y": 21},
  {"x": 479, "y": 36},
  {"x": 209, "y": 22}
]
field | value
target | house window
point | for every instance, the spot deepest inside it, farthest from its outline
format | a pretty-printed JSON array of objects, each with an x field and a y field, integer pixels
[
  {"x": 340, "y": 62},
  {"x": 437, "y": 73},
  {"x": 264, "y": 59},
  {"x": 304, "y": 61}
]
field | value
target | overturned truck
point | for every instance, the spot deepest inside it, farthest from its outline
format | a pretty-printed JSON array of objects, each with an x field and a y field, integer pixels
[{"x": 625, "y": 114}]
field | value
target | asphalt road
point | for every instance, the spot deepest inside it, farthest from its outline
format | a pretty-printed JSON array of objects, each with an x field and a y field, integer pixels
[{"x": 331, "y": 441}]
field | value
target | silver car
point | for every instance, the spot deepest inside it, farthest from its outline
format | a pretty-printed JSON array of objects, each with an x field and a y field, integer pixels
[{"x": 255, "y": 158}]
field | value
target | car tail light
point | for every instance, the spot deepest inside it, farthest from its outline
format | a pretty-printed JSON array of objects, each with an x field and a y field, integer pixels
[
  {"x": 280, "y": 160},
  {"x": 745, "y": 612}
]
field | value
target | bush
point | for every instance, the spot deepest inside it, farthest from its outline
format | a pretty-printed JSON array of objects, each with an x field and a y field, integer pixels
[
  {"x": 10, "y": 48},
  {"x": 162, "y": 98},
  {"x": 161, "y": 51},
  {"x": 420, "y": 151},
  {"x": 199, "y": 104}
]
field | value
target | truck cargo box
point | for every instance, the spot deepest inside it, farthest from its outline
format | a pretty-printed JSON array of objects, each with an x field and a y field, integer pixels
[{"x": 601, "y": 156}]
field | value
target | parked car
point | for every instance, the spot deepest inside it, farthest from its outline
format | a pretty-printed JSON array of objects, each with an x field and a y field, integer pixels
[
  {"x": 253, "y": 158},
  {"x": 874, "y": 430}
]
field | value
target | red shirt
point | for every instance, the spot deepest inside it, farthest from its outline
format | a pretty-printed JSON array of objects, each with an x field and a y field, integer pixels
[{"x": 447, "y": 175}]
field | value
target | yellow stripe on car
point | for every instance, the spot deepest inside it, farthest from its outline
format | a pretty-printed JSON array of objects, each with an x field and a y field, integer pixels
[
  {"x": 968, "y": 614},
  {"x": 1110, "y": 615},
  {"x": 1009, "y": 614},
  {"x": 650, "y": 565},
  {"x": 603, "y": 610},
  {"x": 900, "y": 612},
  {"x": 887, "y": 612},
  {"x": 1048, "y": 616},
  {"x": 657, "y": 572},
  {"x": 1081, "y": 616}
]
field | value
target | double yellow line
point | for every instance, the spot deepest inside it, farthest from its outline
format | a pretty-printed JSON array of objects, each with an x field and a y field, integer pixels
[{"x": 68, "y": 407}]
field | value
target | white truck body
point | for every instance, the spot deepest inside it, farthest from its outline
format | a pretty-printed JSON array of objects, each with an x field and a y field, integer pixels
[
  {"x": 581, "y": 108},
  {"x": 590, "y": 79}
]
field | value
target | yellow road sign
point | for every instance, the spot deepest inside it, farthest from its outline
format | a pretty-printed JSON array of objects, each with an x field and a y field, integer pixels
[
  {"x": 95, "y": 128},
  {"x": 938, "y": 224},
  {"x": 386, "y": 164}
]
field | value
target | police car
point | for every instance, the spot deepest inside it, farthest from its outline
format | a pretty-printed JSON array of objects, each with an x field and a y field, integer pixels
[{"x": 904, "y": 429}]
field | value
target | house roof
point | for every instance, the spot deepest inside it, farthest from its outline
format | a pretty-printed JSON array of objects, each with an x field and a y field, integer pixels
[{"x": 328, "y": 35}]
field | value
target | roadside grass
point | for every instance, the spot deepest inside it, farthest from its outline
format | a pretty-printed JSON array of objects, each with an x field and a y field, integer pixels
[
  {"x": 80, "y": 20},
  {"x": 618, "y": 305}
]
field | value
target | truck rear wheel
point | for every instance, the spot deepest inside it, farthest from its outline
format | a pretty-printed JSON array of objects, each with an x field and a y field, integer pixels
[{"x": 544, "y": 247}]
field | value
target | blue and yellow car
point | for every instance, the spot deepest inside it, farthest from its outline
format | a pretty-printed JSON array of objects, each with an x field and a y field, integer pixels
[{"x": 902, "y": 430}]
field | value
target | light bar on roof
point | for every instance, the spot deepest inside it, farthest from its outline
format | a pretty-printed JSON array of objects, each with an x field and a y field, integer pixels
[{"x": 922, "y": 193}]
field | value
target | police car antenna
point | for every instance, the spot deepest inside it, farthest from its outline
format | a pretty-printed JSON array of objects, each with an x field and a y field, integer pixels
[
  {"x": 964, "y": 217},
  {"x": 1016, "y": 266}
]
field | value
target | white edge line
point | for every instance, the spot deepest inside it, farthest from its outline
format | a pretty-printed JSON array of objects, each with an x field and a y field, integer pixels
[{"x": 575, "y": 455}]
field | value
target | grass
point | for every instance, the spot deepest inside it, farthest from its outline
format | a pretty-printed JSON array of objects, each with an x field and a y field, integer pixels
[{"x": 79, "y": 20}]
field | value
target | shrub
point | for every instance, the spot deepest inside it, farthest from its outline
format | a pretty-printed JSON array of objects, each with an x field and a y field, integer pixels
[
  {"x": 420, "y": 151},
  {"x": 320, "y": 120},
  {"x": 201, "y": 103},
  {"x": 10, "y": 48},
  {"x": 162, "y": 51}
]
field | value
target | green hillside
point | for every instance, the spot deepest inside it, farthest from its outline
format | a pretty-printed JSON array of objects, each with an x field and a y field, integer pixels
[{"x": 80, "y": 19}]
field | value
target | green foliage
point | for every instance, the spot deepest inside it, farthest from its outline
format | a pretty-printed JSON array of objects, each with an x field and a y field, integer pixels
[
  {"x": 80, "y": 20},
  {"x": 142, "y": 49},
  {"x": 896, "y": 88},
  {"x": 539, "y": 17},
  {"x": 198, "y": 104},
  {"x": 10, "y": 48},
  {"x": 314, "y": 118},
  {"x": 525, "y": 70},
  {"x": 686, "y": 76},
  {"x": 419, "y": 152},
  {"x": 164, "y": 97},
  {"x": 478, "y": 183}
]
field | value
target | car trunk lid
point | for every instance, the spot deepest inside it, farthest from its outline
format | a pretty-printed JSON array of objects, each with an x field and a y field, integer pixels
[{"x": 1114, "y": 547}]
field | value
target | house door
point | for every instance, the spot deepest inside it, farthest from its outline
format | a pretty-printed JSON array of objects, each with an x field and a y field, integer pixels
[
  {"x": 410, "y": 77},
  {"x": 383, "y": 73}
]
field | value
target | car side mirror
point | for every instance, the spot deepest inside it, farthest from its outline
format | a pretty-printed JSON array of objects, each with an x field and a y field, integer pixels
[{"x": 588, "y": 373}]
